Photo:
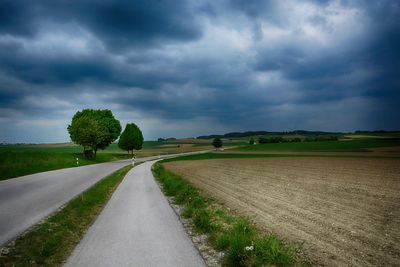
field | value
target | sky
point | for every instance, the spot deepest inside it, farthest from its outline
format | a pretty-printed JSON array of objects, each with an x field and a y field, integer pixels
[{"x": 190, "y": 68}]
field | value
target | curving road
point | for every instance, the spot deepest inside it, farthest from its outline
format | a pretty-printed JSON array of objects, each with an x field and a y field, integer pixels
[
  {"x": 26, "y": 200},
  {"x": 136, "y": 228}
]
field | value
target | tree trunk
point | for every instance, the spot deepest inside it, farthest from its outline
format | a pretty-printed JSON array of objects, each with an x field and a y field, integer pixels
[{"x": 95, "y": 153}]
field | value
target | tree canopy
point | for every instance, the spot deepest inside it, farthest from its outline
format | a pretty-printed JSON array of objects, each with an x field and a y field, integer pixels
[
  {"x": 94, "y": 129},
  {"x": 217, "y": 142},
  {"x": 131, "y": 138}
]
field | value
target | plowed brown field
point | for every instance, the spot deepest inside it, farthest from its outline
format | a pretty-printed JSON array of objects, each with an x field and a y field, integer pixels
[{"x": 343, "y": 212}]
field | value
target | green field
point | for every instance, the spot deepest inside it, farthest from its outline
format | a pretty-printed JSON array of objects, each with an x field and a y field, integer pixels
[
  {"x": 18, "y": 160},
  {"x": 352, "y": 145}
]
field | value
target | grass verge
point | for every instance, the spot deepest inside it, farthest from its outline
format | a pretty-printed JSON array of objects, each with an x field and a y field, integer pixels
[
  {"x": 51, "y": 242},
  {"x": 242, "y": 242}
]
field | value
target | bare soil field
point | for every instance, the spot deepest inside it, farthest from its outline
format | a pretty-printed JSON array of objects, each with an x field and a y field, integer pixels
[{"x": 340, "y": 211}]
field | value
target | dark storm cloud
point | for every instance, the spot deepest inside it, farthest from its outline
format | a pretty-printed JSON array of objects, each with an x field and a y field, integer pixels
[
  {"x": 39, "y": 69},
  {"x": 322, "y": 70},
  {"x": 119, "y": 24},
  {"x": 208, "y": 65}
]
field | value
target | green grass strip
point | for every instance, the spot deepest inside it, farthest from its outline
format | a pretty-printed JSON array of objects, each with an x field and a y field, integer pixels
[
  {"x": 50, "y": 243},
  {"x": 243, "y": 243},
  {"x": 227, "y": 155},
  {"x": 18, "y": 162}
]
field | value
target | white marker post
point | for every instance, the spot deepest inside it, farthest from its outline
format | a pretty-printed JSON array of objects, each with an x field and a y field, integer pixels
[
  {"x": 133, "y": 161},
  {"x": 77, "y": 161}
]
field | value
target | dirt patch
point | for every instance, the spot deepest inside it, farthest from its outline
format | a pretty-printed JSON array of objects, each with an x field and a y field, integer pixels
[{"x": 342, "y": 212}]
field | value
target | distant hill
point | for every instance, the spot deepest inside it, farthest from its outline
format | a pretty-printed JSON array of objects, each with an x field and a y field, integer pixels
[
  {"x": 253, "y": 133},
  {"x": 375, "y": 132}
]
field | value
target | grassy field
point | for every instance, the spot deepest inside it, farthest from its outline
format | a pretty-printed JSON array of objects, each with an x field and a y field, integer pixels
[
  {"x": 18, "y": 160},
  {"x": 341, "y": 211},
  {"x": 51, "y": 242},
  {"x": 22, "y": 160},
  {"x": 353, "y": 145}
]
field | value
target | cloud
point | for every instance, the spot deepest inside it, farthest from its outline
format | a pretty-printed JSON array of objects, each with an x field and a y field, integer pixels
[
  {"x": 118, "y": 24},
  {"x": 191, "y": 68}
]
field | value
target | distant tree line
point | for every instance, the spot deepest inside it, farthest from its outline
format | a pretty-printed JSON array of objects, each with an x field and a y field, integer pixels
[
  {"x": 166, "y": 139},
  {"x": 279, "y": 139},
  {"x": 96, "y": 129},
  {"x": 255, "y": 133},
  {"x": 377, "y": 131}
]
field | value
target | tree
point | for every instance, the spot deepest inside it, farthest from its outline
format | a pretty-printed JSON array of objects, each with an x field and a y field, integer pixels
[
  {"x": 94, "y": 129},
  {"x": 251, "y": 142},
  {"x": 217, "y": 142},
  {"x": 131, "y": 138}
]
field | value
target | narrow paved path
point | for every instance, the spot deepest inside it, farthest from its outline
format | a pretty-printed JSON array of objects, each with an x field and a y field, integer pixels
[
  {"x": 136, "y": 228},
  {"x": 26, "y": 200}
]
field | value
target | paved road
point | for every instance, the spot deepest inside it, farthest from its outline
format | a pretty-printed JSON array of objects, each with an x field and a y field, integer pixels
[
  {"x": 26, "y": 200},
  {"x": 136, "y": 228}
]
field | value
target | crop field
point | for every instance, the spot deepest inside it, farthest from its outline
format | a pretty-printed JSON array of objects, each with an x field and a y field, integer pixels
[
  {"x": 339, "y": 211},
  {"x": 349, "y": 145}
]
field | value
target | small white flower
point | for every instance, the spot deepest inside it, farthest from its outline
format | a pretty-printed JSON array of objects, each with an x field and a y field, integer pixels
[{"x": 249, "y": 248}]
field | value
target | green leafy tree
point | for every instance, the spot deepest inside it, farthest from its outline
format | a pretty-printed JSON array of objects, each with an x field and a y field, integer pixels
[
  {"x": 217, "y": 142},
  {"x": 94, "y": 129},
  {"x": 251, "y": 142},
  {"x": 131, "y": 138}
]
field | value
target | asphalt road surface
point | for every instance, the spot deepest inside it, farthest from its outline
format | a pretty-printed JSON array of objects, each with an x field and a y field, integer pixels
[
  {"x": 136, "y": 228},
  {"x": 26, "y": 200}
]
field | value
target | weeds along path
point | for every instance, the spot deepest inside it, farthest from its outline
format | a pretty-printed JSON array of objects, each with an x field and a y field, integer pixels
[
  {"x": 136, "y": 228},
  {"x": 341, "y": 211}
]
